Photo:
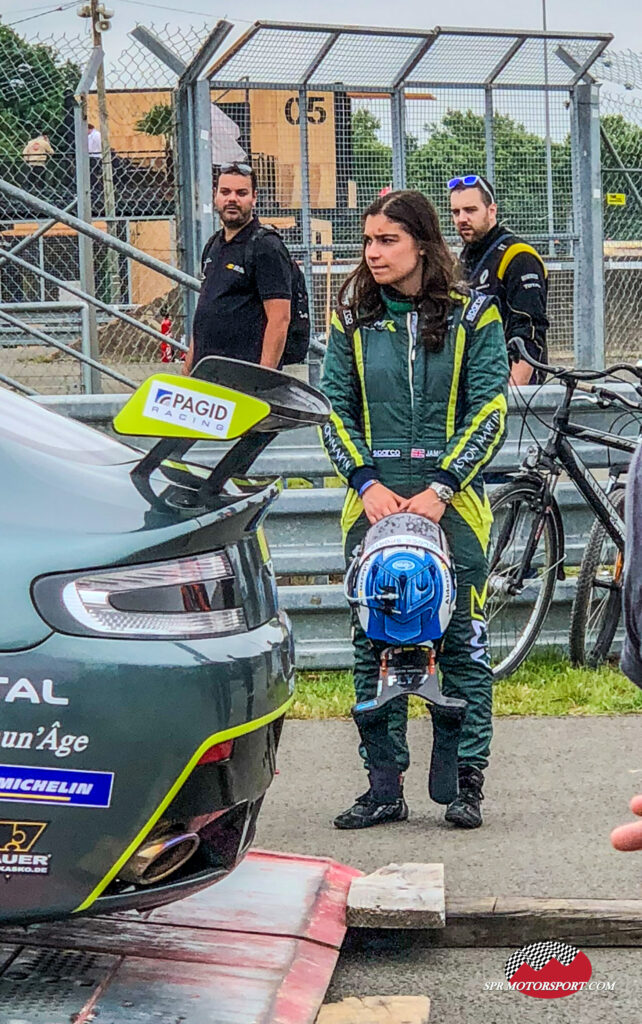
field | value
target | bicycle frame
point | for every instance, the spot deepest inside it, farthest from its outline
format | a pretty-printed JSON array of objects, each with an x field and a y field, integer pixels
[{"x": 559, "y": 450}]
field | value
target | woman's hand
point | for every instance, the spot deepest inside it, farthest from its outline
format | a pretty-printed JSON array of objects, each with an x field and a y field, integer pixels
[
  {"x": 379, "y": 501},
  {"x": 426, "y": 504}
]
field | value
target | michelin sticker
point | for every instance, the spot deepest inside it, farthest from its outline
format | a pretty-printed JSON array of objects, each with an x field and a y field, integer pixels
[
  {"x": 57, "y": 786},
  {"x": 170, "y": 403},
  {"x": 17, "y": 839}
]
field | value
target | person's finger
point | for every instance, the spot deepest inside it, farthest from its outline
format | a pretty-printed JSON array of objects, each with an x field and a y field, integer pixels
[
  {"x": 636, "y": 804},
  {"x": 627, "y": 837}
]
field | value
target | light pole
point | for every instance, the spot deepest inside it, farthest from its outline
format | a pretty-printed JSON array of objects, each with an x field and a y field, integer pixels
[{"x": 100, "y": 22}]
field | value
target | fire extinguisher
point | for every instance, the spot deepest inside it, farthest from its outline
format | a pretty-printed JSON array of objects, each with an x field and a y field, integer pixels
[{"x": 166, "y": 349}]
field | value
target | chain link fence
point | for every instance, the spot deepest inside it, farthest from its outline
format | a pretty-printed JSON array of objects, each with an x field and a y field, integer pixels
[
  {"x": 397, "y": 109},
  {"x": 38, "y": 78}
]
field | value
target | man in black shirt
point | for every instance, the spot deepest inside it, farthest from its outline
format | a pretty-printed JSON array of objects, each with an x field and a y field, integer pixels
[
  {"x": 243, "y": 309},
  {"x": 497, "y": 262}
]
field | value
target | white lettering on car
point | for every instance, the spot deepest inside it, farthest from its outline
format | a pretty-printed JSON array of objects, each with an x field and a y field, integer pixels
[{"x": 35, "y": 693}]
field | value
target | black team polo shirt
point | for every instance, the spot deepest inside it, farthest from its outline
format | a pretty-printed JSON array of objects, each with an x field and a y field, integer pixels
[{"x": 230, "y": 319}]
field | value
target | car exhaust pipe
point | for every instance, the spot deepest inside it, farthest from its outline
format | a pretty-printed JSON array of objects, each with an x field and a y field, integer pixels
[{"x": 156, "y": 860}]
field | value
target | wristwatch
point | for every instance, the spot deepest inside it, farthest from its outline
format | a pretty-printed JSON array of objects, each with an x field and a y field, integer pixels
[{"x": 443, "y": 492}]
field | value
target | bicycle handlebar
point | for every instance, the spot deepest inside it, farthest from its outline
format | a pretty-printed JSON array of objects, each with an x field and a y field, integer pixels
[
  {"x": 606, "y": 395},
  {"x": 571, "y": 375}
]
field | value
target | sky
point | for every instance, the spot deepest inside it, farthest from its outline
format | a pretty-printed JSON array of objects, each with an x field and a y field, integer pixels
[{"x": 624, "y": 20}]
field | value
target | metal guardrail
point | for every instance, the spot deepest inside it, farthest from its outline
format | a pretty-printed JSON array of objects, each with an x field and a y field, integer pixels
[{"x": 303, "y": 528}]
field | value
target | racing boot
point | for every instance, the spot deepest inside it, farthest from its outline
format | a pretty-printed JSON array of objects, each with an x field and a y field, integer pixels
[
  {"x": 382, "y": 803},
  {"x": 465, "y": 810}
]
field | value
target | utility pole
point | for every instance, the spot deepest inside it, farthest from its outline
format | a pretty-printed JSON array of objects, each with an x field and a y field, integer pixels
[{"x": 100, "y": 22}]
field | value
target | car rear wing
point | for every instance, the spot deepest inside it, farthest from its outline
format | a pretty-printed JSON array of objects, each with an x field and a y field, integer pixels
[{"x": 222, "y": 400}]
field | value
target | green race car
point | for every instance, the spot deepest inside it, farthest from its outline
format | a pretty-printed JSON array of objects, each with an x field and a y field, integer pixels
[{"x": 145, "y": 667}]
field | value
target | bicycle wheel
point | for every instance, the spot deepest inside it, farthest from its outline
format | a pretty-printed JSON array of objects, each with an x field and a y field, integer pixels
[
  {"x": 598, "y": 597},
  {"x": 515, "y": 611}
]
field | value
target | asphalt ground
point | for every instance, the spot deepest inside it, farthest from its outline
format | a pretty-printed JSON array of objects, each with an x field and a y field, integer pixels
[
  {"x": 457, "y": 982},
  {"x": 555, "y": 788}
]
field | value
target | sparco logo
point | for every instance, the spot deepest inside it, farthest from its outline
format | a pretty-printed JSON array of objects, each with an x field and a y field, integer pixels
[
  {"x": 182, "y": 407},
  {"x": 387, "y": 453}
]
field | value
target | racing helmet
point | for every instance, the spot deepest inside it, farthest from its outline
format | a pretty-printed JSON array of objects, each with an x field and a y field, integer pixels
[{"x": 402, "y": 581}]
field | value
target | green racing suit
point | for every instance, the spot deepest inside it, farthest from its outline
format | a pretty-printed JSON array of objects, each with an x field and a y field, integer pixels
[{"x": 408, "y": 417}]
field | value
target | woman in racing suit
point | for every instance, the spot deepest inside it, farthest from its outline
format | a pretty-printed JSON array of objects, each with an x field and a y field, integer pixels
[{"x": 416, "y": 370}]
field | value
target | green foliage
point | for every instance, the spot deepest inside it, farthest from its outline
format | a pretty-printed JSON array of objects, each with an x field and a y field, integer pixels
[
  {"x": 33, "y": 85},
  {"x": 622, "y": 223},
  {"x": 545, "y": 685},
  {"x": 457, "y": 145},
  {"x": 157, "y": 121},
  {"x": 372, "y": 158}
]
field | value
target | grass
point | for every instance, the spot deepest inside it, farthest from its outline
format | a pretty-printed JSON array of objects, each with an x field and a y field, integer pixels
[{"x": 547, "y": 684}]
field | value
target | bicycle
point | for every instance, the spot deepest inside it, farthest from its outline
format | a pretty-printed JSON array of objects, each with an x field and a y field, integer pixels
[{"x": 527, "y": 549}]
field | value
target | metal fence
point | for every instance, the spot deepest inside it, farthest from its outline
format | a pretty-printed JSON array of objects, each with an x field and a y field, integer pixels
[
  {"x": 305, "y": 536},
  {"x": 380, "y": 108}
]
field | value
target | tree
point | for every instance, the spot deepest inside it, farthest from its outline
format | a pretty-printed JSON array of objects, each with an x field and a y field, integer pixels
[
  {"x": 457, "y": 145},
  {"x": 622, "y": 146},
  {"x": 372, "y": 159},
  {"x": 157, "y": 121},
  {"x": 34, "y": 91}
]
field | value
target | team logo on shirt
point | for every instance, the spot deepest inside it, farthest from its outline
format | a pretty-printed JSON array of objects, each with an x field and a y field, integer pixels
[{"x": 235, "y": 267}]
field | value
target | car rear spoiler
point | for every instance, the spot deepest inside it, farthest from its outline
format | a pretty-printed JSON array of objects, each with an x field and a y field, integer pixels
[{"x": 222, "y": 400}]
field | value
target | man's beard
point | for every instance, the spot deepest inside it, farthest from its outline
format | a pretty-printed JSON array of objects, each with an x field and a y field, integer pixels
[
  {"x": 232, "y": 217},
  {"x": 475, "y": 235}
]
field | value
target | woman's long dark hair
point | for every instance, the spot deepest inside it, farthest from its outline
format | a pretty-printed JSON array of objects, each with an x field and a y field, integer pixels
[{"x": 418, "y": 217}]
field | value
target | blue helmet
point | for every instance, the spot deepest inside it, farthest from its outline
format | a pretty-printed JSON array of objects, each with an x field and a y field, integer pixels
[{"x": 402, "y": 581}]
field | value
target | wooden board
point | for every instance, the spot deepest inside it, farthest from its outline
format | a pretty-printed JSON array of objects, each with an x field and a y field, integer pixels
[
  {"x": 398, "y": 896},
  {"x": 507, "y": 921},
  {"x": 377, "y": 1010},
  {"x": 261, "y": 945},
  {"x": 490, "y": 921}
]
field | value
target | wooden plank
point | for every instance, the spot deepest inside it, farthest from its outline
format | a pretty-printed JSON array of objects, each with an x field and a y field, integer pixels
[
  {"x": 510, "y": 921},
  {"x": 377, "y": 1010},
  {"x": 398, "y": 896}
]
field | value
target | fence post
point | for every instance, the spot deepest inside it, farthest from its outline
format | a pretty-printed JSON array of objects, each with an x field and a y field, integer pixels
[
  {"x": 398, "y": 125},
  {"x": 306, "y": 215},
  {"x": 185, "y": 198},
  {"x": 587, "y": 182},
  {"x": 490, "y": 138},
  {"x": 90, "y": 376},
  {"x": 203, "y": 162}
]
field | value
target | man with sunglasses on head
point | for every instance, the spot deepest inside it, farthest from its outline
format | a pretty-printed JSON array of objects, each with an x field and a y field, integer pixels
[
  {"x": 244, "y": 306},
  {"x": 497, "y": 262}
]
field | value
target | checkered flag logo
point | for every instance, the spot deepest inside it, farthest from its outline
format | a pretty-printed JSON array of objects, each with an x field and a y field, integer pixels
[{"x": 538, "y": 954}]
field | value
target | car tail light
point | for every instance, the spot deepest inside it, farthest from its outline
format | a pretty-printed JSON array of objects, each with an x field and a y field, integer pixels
[
  {"x": 219, "y": 752},
  {"x": 184, "y": 598}
]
